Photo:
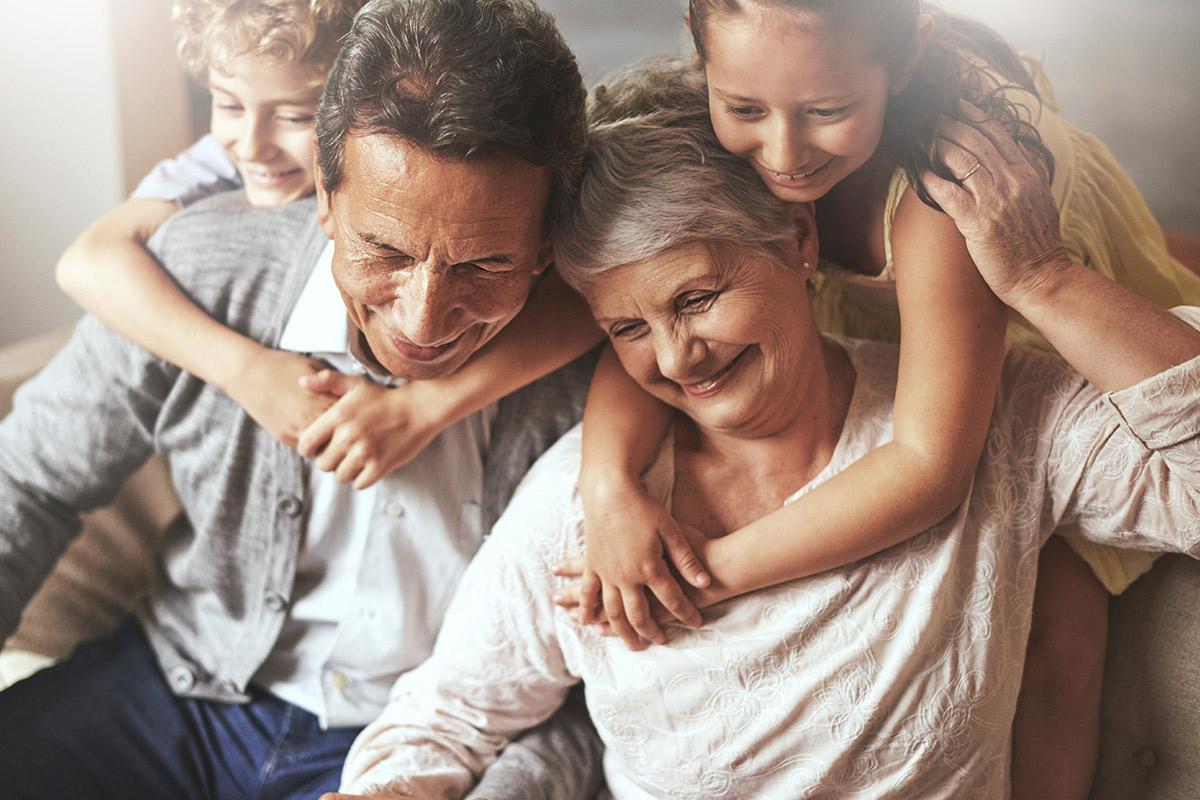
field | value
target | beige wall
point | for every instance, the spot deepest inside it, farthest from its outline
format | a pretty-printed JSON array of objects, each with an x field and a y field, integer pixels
[{"x": 86, "y": 106}]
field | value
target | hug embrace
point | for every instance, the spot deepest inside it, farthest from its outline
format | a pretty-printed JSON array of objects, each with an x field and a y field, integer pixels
[{"x": 794, "y": 547}]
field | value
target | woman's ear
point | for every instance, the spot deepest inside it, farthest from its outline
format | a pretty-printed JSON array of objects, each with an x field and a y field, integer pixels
[
  {"x": 905, "y": 70},
  {"x": 804, "y": 218}
]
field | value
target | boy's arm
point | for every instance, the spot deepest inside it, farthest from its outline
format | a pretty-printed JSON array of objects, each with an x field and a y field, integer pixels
[
  {"x": 109, "y": 272},
  {"x": 951, "y": 349},
  {"x": 371, "y": 431}
]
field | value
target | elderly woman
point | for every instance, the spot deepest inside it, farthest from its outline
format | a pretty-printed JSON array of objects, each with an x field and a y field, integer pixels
[{"x": 896, "y": 676}]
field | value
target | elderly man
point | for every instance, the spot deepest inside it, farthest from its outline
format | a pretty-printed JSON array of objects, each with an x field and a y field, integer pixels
[
  {"x": 287, "y": 603},
  {"x": 892, "y": 677}
]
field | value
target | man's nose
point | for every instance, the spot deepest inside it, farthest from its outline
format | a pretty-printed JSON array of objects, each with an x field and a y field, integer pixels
[
  {"x": 254, "y": 141},
  {"x": 428, "y": 306}
]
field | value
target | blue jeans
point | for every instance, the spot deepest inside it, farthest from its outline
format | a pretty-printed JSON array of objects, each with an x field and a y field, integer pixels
[{"x": 103, "y": 724}]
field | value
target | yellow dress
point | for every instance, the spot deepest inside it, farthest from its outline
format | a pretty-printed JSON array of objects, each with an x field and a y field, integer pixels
[{"x": 1105, "y": 225}]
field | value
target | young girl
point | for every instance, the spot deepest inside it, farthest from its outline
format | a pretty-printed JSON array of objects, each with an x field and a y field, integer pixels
[
  {"x": 265, "y": 63},
  {"x": 839, "y": 103}
]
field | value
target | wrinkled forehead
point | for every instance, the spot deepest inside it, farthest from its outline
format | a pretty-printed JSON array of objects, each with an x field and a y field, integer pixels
[{"x": 392, "y": 187}]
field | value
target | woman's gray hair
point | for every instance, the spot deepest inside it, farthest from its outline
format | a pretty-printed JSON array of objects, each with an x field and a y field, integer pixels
[{"x": 655, "y": 178}]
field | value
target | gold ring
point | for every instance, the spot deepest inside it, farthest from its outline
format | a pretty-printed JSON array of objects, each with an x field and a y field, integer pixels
[{"x": 970, "y": 172}]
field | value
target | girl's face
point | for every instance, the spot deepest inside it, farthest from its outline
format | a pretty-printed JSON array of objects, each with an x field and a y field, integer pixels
[
  {"x": 803, "y": 103},
  {"x": 263, "y": 112}
]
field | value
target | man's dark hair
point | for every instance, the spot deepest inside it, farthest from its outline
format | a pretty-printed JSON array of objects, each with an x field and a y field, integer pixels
[{"x": 461, "y": 79}]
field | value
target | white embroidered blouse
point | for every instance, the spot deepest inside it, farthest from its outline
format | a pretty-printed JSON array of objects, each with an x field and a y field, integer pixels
[{"x": 894, "y": 677}]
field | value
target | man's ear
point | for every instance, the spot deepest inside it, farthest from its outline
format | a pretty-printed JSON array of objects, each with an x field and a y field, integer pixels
[
  {"x": 905, "y": 70},
  {"x": 324, "y": 198},
  {"x": 804, "y": 217},
  {"x": 545, "y": 256}
]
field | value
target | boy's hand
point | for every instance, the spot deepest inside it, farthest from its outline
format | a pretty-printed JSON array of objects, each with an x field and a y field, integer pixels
[
  {"x": 268, "y": 388},
  {"x": 627, "y": 534},
  {"x": 369, "y": 431}
]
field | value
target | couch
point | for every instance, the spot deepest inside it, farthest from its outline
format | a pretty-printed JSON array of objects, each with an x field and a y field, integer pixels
[{"x": 1150, "y": 745}]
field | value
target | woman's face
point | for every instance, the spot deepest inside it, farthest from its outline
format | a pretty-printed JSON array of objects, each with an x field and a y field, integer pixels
[
  {"x": 802, "y": 103},
  {"x": 263, "y": 112},
  {"x": 720, "y": 333}
]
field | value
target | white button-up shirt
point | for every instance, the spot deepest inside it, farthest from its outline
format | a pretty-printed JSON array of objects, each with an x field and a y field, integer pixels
[{"x": 377, "y": 567}]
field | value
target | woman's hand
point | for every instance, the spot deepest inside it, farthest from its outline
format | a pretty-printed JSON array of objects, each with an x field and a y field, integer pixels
[
  {"x": 371, "y": 429},
  {"x": 268, "y": 387},
  {"x": 627, "y": 536},
  {"x": 1002, "y": 204}
]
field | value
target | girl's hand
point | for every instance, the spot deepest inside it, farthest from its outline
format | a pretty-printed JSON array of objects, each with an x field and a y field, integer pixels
[
  {"x": 569, "y": 596},
  {"x": 268, "y": 388},
  {"x": 627, "y": 533},
  {"x": 1002, "y": 204},
  {"x": 369, "y": 431}
]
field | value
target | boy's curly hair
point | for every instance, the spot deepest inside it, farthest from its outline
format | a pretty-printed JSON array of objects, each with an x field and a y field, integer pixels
[{"x": 211, "y": 33}]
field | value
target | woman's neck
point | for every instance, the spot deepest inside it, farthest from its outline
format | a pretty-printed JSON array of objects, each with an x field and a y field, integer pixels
[{"x": 730, "y": 478}]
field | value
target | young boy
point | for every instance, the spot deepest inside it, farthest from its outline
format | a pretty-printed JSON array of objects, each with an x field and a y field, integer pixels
[{"x": 265, "y": 63}]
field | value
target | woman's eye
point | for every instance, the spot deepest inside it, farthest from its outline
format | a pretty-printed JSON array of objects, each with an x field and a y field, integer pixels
[
  {"x": 742, "y": 111},
  {"x": 229, "y": 107},
  {"x": 696, "y": 302},
  {"x": 298, "y": 119},
  {"x": 625, "y": 330},
  {"x": 827, "y": 113}
]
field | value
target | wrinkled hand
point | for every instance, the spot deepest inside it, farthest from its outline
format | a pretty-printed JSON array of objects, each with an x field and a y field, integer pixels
[
  {"x": 370, "y": 430},
  {"x": 268, "y": 387},
  {"x": 627, "y": 536},
  {"x": 1004, "y": 209}
]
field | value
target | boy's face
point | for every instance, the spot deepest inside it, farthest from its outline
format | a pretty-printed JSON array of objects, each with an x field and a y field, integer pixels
[{"x": 263, "y": 110}]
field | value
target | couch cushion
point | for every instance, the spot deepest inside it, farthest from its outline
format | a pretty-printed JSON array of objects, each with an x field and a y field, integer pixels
[{"x": 1150, "y": 719}]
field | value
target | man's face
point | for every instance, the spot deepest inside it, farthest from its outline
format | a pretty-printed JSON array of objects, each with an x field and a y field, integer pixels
[{"x": 432, "y": 257}]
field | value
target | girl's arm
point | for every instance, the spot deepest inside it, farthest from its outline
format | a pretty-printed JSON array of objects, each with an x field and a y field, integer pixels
[
  {"x": 627, "y": 531},
  {"x": 372, "y": 430},
  {"x": 109, "y": 272},
  {"x": 951, "y": 349}
]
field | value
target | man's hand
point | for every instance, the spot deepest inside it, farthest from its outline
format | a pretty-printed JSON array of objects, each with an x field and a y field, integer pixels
[
  {"x": 370, "y": 430},
  {"x": 268, "y": 387},
  {"x": 384, "y": 796}
]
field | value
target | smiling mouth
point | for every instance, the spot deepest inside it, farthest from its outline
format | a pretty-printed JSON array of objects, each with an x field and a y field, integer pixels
[
  {"x": 414, "y": 352},
  {"x": 793, "y": 177},
  {"x": 268, "y": 176},
  {"x": 713, "y": 382}
]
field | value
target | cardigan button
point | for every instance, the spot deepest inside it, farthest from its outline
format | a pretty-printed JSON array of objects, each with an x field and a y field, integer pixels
[{"x": 291, "y": 506}]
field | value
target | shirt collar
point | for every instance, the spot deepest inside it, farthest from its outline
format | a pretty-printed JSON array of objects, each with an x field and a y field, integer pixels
[{"x": 318, "y": 323}]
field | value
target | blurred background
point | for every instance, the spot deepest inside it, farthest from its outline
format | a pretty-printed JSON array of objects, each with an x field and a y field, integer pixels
[{"x": 91, "y": 97}]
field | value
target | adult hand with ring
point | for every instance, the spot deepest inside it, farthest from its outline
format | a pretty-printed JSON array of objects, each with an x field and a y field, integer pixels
[{"x": 1006, "y": 213}]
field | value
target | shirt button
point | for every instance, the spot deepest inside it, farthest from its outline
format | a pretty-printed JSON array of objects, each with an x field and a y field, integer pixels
[
  {"x": 229, "y": 686},
  {"x": 395, "y": 509},
  {"x": 276, "y": 602},
  {"x": 339, "y": 680},
  {"x": 291, "y": 506},
  {"x": 182, "y": 679},
  {"x": 1146, "y": 757}
]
